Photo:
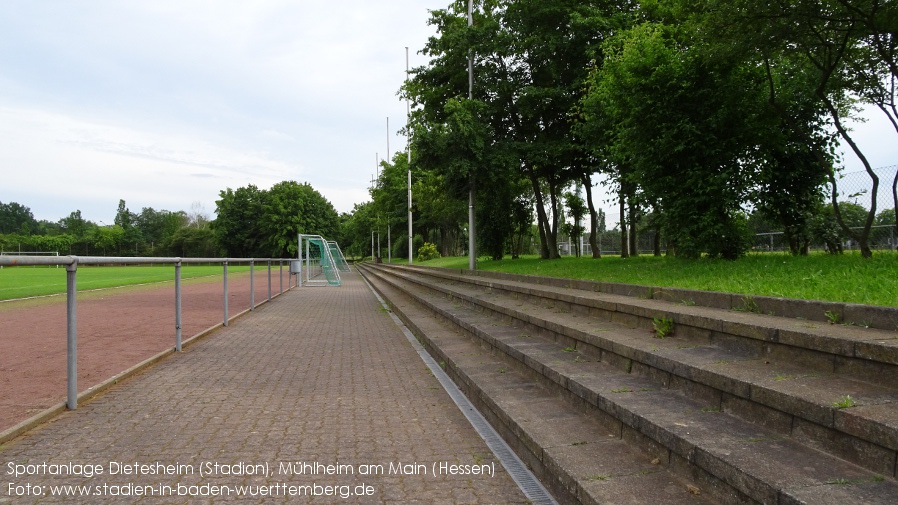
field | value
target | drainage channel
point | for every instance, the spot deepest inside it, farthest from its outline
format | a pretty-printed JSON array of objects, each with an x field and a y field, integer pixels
[{"x": 526, "y": 481}]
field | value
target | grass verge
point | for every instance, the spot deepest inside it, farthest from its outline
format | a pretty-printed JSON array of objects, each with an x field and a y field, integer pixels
[{"x": 845, "y": 278}]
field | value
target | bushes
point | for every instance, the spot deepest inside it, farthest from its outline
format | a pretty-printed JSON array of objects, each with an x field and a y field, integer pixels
[{"x": 428, "y": 251}]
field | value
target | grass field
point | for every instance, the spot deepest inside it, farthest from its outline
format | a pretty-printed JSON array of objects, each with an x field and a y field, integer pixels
[
  {"x": 845, "y": 278},
  {"x": 23, "y": 282}
]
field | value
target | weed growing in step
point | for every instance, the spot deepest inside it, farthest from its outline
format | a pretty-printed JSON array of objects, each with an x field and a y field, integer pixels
[
  {"x": 832, "y": 317},
  {"x": 748, "y": 305},
  {"x": 844, "y": 403},
  {"x": 662, "y": 327}
]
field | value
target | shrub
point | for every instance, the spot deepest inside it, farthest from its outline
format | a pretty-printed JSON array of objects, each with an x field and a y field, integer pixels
[{"x": 427, "y": 251}]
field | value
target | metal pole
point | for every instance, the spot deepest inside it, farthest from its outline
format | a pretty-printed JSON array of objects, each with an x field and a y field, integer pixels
[
  {"x": 178, "y": 306},
  {"x": 72, "y": 337},
  {"x": 472, "y": 236},
  {"x": 389, "y": 245},
  {"x": 408, "y": 148},
  {"x": 269, "y": 280},
  {"x": 281, "y": 274},
  {"x": 225, "y": 266},
  {"x": 252, "y": 288}
]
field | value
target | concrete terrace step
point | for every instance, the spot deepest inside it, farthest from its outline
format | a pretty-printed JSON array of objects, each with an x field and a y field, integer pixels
[
  {"x": 786, "y": 391},
  {"x": 694, "y": 401},
  {"x": 852, "y": 348},
  {"x": 579, "y": 458}
]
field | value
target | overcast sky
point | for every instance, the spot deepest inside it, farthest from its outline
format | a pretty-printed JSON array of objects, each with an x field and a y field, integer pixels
[{"x": 165, "y": 103}]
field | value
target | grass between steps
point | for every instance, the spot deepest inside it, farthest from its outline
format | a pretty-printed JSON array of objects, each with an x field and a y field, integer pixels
[{"x": 845, "y": 278}]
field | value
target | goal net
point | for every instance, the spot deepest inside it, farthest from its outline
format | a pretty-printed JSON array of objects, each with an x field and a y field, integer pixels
[
  {"x": 316, "y": 265},
  {"x": 337, "y": 254}
]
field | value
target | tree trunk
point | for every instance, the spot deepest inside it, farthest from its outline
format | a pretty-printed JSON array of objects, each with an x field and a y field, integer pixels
[
  {"x": 634, "y": 242},
  {"x": 864, "y": 238},
  {"x": 593, "y": 217},
  {"x": 624, "y": 243},
  {"x": 542, "y": 220},
  {"x": 552, "y": 236}
]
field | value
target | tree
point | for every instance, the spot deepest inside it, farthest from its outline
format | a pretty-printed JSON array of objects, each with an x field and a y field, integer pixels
[
  {"x": 194, "y": 242},
  {"x": 355, "y": 230},
  {"x": 531, "y": 61},
  {"x": 156, "y": 228},
  {"x": 258, "y": 223},
  {"x": 16, "y": 218},
  {"x": 290, "y": 209},
  {"x": 576, "y": 208},
  {"x": 235, "y": 228},
  {"x": 682, "y": 122},
  {"x": 107, "y": 238},
  {"x": 126, "y": 219},
  {"x": 850, "y": 47}
]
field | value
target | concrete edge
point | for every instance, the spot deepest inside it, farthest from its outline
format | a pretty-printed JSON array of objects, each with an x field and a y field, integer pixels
[{"x": 91, "y": 392}]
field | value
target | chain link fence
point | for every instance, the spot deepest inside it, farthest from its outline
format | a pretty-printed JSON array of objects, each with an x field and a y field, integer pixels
[{"x": 855, "y": 196}]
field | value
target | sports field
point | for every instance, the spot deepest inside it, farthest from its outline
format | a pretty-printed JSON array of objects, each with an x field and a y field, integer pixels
[{"x": 24, "y": 282}]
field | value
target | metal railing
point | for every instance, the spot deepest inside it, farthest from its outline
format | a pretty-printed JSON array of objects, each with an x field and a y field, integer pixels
[{"x": 71, "y": 264}]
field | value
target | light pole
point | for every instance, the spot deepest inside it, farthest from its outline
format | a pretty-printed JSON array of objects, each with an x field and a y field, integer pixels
[
  {"x": 472, "y": 236},
  {"x": 408, "y": 148}
]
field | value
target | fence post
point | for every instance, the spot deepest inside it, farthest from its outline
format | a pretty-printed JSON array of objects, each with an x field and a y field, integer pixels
[
  {"x": 72, "y": 337},
  {"x": 178, "y": 305},
  {"x": 225, "y": 265},
  {"x": 281, "y": 274},
  {"x": 269, "y": 280},
  {"x": 252, "y": 287}
]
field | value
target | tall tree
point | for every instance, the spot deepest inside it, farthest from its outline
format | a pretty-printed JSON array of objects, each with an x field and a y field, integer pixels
[
  {"x": 16, "y": 218},
  {"x": 291, "y": 208},
  {"x": 235, "y": 227}
]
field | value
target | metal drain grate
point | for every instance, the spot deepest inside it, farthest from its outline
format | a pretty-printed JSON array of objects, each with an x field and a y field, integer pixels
[{"x": 526, "y": 481}]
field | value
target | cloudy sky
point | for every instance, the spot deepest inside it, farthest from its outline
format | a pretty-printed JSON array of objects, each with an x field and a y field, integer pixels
[{"x": 165, "y": 103}]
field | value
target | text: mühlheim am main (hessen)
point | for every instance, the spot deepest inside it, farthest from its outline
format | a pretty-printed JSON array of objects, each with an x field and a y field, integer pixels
[{"x": 210, "y": 468}]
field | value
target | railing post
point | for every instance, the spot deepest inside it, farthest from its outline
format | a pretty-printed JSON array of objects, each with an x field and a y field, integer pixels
[
  {"x": 72, "y": 337},
  {"x": 225, "y": 265},
  {"x": 269, "y": 280},
  {"x": 178, "y": 305},
  {"x": 252, "y": 287},
  {"x": 281, "y": 274}
]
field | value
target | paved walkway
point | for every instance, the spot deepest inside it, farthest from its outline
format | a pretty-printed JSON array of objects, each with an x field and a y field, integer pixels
[{"x": 317, "y": 397}]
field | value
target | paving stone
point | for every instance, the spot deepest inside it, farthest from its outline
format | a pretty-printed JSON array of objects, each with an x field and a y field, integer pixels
[{"x": 320, "y": 376}]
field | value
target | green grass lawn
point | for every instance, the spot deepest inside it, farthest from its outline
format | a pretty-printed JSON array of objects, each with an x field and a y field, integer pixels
[
  {"x": 22, "y": 282},
  {"x": 845, "y": 278}
]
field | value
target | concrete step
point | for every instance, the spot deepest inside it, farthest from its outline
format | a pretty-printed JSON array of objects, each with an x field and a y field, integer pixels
[
  {"x": 684, "y": 398},
  {"x": 785, "y": 391},
  {"x": 577, "y": 457}
]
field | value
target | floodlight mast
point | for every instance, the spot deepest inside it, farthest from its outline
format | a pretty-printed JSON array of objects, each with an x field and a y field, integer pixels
[
  {"x": 408, "y": 148},
  {"x": 472, "y": 248}
]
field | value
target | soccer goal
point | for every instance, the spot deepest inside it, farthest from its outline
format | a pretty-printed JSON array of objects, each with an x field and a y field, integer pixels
[
  {"x": 337, "y": 254},
  {"x": 315, "y": 265}
]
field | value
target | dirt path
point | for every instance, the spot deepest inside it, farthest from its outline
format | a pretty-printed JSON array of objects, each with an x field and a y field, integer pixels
[{"x": 117, "y": 328}]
